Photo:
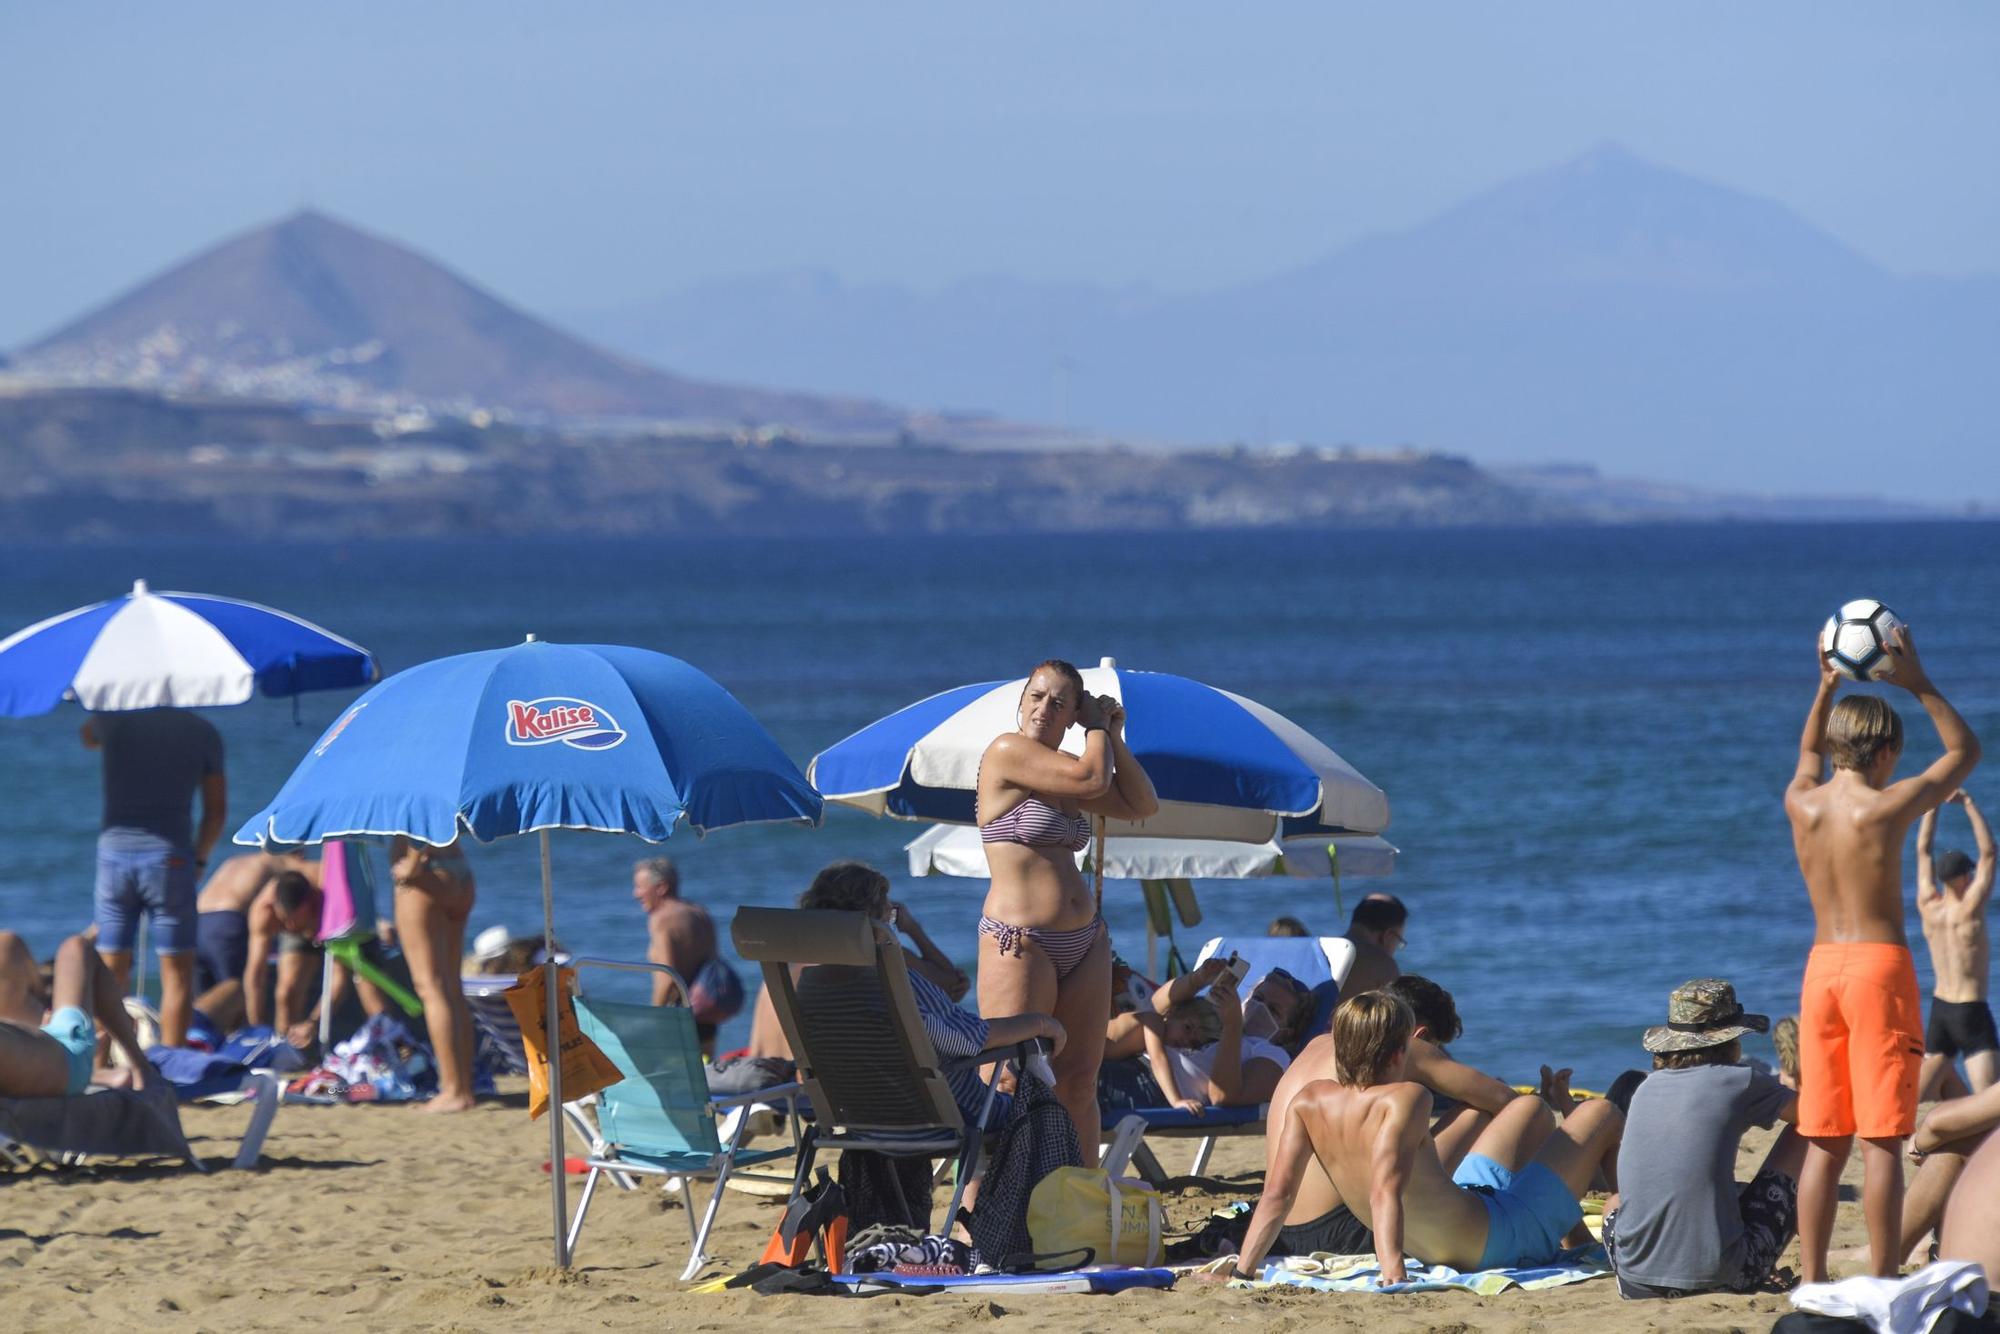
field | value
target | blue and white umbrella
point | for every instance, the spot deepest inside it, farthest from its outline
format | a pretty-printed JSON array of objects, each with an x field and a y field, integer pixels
[
  {"x": 530, "y": 739},
  {"x": 191, "y": 650},
  {"x": 956, "y": 850},
  {"x": 1225, "y": 767}
]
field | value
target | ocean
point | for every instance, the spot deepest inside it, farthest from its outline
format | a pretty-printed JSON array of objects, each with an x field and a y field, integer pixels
[{"x": 1584, "y": 733}]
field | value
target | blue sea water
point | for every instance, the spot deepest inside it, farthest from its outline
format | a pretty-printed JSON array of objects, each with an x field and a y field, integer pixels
[{"x": 1583, "y": 733}]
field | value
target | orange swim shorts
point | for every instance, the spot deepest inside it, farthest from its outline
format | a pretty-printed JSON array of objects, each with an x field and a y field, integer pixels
[{"x": 1860, "y": 1041}]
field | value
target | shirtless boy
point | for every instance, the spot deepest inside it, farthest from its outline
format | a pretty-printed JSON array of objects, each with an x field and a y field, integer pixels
[
  {"x": 1951, "y": 898},
  {"x": 1860, "y": 1025},
  {"x": 1510, "y": 1203},
  {"x": 1319, "y": 1219}
]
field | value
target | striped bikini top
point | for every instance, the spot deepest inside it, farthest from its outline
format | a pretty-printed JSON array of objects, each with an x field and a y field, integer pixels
[{"x": 1037, "y": 824}]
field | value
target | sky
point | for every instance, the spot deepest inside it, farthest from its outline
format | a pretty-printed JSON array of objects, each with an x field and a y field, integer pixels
[{"x": 580, "y": 156}]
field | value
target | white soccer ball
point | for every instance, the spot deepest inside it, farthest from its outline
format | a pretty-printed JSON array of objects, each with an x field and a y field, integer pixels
[{"x": 1855, "y": 640}]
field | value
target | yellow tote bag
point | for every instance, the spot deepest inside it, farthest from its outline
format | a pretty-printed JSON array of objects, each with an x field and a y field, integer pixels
[{"x": 1118, "y": 1218}]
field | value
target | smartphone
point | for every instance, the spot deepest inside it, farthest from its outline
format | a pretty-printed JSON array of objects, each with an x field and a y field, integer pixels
[{"x": 1237, "y": 969}]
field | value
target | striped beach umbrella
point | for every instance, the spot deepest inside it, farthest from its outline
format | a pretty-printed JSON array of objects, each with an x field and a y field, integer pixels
[
  {"x": 1225, "y": 767},
  {"x": 189, "y": 650}
]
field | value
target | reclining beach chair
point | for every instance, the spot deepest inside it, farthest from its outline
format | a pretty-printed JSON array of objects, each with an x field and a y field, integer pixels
[
  {"x": 1321, "y": 964},
  {"x": 660, "y": 1120},
  {"x": 119, "y": 1123},
  {"x": 874, "y": 1080}
]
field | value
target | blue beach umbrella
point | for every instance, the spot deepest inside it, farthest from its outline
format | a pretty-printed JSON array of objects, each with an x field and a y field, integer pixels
[
  {"x": 534, "y": 738},
  {"x": 1225, "y": 767},
  {"x": 192, "y": 650}
]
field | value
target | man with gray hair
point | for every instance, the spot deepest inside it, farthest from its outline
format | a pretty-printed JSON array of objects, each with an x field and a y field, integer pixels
[{"x": 681, "y": 935}]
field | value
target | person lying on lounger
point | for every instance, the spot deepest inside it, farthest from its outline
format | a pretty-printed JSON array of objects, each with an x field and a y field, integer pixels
[
  {"x": 48, "y": 1041},
  {"x": 1512, "y": 1202},
  {"x": 1202, "y": 1045}
]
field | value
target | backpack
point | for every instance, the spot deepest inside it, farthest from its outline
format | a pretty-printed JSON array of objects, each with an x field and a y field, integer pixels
[
  {"x": 1038, "y": 1138},
  {"x": 716, "y": 993}
]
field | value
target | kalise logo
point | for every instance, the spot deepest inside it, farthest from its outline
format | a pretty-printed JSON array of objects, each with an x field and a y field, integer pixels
[{"x": 574, "y": 722}]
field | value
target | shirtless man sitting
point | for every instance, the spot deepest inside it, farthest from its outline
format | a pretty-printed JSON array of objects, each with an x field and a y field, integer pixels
[
  {"x": 1319, "y": 1219},
  {"x": 1510, "y": 1203},
  {"x": 1952, "y": 894},
  {"x": 1860, "y": 1021},
  {"x": 48, "y": 1042}
]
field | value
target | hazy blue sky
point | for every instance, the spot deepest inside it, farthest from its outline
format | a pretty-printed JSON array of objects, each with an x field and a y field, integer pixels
[{"x": 583, "y": 155}]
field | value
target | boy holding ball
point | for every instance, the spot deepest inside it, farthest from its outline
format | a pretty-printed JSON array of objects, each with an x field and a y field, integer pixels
[{"x": 1860, "y": 1019}]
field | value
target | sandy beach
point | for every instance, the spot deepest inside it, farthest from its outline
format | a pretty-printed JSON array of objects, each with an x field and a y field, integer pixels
[{"x": 419, "y": 1222}]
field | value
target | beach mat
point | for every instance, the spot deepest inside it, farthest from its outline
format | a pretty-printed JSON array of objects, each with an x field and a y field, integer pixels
[
  {"x": 1106, "y": 1280},
  {"x": 1357, "y": 1273}
]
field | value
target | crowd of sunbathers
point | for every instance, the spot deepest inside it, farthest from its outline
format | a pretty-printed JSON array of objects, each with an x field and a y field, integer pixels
[{"x": 1376, "y": 1138}]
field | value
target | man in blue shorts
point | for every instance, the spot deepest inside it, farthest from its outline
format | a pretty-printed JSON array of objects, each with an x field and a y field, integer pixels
[
  {"x": 149, "y": 855},
  {"x": 48, "y": 1040},
  {"x": 1511, "y": 1203}
]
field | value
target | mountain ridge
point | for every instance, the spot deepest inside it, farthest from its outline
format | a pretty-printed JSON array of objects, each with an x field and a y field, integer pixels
[{"x": 313, "y": 309}]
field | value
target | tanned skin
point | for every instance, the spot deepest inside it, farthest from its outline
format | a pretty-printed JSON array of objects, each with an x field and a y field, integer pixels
[
  {"x": 1849, "y": 829},
  {"x": 1954, "y": 918}
]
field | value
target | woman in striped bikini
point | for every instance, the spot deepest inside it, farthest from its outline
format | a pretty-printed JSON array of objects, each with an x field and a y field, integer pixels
[{"x": 1042, "y": 946}]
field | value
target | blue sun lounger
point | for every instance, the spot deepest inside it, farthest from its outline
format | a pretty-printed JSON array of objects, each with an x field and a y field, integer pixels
[{"x": 1322, "y": 964}]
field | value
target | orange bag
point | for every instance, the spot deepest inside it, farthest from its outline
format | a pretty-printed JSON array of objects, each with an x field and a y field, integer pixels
[{"x": 585, "y": 1069}]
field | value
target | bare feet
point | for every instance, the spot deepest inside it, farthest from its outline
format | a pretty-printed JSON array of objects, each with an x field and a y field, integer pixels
[{"x": 458, "y": 1103}]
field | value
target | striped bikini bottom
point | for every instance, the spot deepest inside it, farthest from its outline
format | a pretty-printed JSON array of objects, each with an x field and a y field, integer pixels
[{"x": 1066, "y": 949}]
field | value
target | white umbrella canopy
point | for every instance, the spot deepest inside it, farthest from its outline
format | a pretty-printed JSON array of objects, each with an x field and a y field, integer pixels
[{"x": 956, "y": 850}]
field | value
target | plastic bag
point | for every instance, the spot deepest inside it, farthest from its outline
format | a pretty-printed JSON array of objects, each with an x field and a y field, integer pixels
[{"x": 585, "y": 1069}]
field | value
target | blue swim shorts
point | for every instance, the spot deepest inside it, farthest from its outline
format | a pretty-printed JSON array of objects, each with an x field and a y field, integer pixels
[
  {"x": 72, "y": 1027},
  {"x": 137, "y": 874},
  {"x": 1527, "y": 1212}
]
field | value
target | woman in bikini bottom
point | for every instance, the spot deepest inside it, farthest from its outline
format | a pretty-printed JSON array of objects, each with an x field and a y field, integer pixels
[{"x": 1042, "y": 946}]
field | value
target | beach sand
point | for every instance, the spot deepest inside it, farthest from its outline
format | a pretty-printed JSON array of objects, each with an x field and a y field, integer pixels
[{"x": 382, "y": 1215}]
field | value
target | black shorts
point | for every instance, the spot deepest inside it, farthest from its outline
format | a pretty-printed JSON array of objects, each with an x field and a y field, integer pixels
[
  {"x": 221, "y": 948},
  {"x": 1770, "y": 1209},
  {"x": 1959, "y": 1027},
  {"x": 1336, "y": 1232}
]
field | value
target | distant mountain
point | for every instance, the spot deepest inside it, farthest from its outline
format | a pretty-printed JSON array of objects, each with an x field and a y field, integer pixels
[
  {"x": 312, "y": 310},
  {"x": 1607, "y": 309}
]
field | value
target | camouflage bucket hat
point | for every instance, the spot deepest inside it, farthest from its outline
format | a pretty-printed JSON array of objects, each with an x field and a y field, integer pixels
[{"x": 1703, "y": 1013}]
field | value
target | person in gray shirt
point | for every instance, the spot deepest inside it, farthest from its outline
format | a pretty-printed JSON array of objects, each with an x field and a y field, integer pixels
[
  {"x": 150, "y": 855},
  {"x": 1680, "y": 1224}
]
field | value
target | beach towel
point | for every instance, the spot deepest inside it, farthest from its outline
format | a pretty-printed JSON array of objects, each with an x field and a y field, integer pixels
[
  {"x": 1908, "y": 1305},
  {"x": 383, "y": 1062},
  {"x": 1358, "y": 1273}
]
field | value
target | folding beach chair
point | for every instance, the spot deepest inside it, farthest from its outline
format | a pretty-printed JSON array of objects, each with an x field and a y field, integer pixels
[
  {"x": 874, "y": 1080},
  {"x": 1321, "y": 964},
  {"x": 660, "y": 1120}
]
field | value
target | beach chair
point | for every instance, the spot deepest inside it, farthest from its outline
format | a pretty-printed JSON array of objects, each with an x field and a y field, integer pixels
[
  {"x": 119, "y": 1123},
  {"x": 660, "y": 1120},
  {"x": 1321, "y": 964},
  {"x": 872, "y": 1077},
  {"x": 494, "y": 1019}
]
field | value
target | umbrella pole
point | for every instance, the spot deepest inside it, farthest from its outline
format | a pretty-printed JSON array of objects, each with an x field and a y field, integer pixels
[{"x": 558, "y": 1169}]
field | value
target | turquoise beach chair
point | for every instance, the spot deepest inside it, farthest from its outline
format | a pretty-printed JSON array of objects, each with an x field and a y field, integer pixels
[{"x": 660, "y": 1120}]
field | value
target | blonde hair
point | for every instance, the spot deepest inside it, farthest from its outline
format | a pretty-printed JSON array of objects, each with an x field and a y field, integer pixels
[
  {"x": 1204, "y": 1021},
  {"x": 1785, "y": 1037},
  {"x": 1861, "y": 728},
  {"x": 1369, "y": 1031}
]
